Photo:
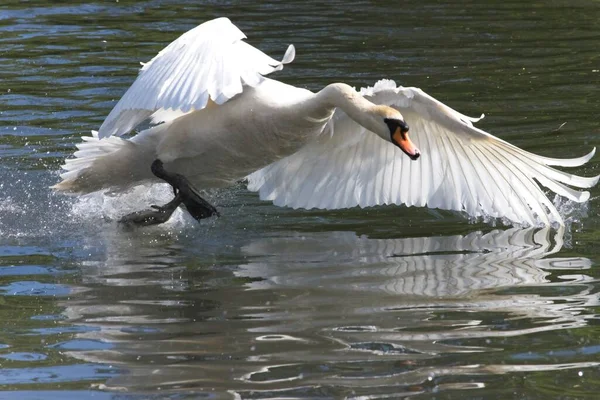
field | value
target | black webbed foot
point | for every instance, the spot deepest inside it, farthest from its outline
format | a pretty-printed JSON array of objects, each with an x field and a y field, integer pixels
[
  {"x": 158, "y": 215},
  {"x": 184, "y": 193}
]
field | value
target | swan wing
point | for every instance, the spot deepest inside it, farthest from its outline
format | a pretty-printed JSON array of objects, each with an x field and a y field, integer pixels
[
  {"x": 207, "y": 63},
  {"x": 461, "y": 167}
]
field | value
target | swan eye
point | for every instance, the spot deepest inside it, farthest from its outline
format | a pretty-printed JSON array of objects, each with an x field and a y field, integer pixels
[{"x": 394, "y": 124}]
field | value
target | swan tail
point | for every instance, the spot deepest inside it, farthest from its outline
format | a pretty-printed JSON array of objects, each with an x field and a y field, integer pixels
[{"x": 111, "y": 163}]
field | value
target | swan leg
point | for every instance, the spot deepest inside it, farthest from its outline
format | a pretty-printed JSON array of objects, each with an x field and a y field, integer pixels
[
  {"x": 190, "y": 197},
  {"x": 185, "y": 194}
]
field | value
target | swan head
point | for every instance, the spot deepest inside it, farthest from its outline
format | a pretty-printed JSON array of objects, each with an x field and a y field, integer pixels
[{"x": 396, "y": 131}]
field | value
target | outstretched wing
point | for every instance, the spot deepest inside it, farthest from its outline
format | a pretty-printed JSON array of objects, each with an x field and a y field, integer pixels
[
  {"x": 461, "y": 167},
  {"x": 208, "y": 62}
]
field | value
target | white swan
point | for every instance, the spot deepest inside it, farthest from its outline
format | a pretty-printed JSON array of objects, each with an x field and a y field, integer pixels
[{"x": 220, "y": 120}]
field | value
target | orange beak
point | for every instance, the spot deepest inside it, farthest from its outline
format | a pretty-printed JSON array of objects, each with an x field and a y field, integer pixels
[{"x": 400, "y": 138}]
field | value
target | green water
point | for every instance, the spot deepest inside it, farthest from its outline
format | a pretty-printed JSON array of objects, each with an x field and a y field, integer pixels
[{"x": 265, "y": 302}]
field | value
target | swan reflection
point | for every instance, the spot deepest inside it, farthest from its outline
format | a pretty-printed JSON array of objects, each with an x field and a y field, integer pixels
[
  {"x": 437, "y": 266},
  {"x": 311, "y": 308}
]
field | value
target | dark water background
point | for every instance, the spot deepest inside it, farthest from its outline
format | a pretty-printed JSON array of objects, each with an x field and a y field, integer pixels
[{"x": 268, "y": 302}]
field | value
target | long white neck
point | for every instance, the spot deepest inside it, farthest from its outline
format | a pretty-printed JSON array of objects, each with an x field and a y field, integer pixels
[{"x": 352, "y": 103}]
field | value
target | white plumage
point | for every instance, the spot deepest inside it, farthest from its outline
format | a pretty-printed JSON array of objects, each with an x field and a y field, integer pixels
[
  {"x": 210, "y": 60},
  {"x": 461, "y": 167},
  {"x": 222, "y": 121}
]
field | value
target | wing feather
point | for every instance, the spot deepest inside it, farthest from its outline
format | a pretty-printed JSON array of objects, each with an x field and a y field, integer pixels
[
  {"x": 518, "y": 195},
  {"x": 336, "y": 186},
  {"x": 523, "y": 190},
  {"x": 369, "y": 175},
  {"x": 486, "y": 191},
  {"x": 469, "y": 194},
  {"x": 461, "y": 168},
  {"x": 500, "y": 190},
  {"x": 453, "y": 190},
  {"x": 388, "y": 176},
  {"x": 348, "y": 185},
  {"x": 428, "y": 168},
  {"x": 208, "y": 62}
]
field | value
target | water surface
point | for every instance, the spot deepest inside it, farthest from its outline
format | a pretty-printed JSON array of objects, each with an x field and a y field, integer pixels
[{"x": 270, "y": 302}]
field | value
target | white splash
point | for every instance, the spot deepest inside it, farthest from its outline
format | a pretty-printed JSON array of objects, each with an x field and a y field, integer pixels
[{"x": 111, "y": 207}]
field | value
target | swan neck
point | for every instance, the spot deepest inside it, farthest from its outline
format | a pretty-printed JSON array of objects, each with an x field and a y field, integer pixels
[{"x": 349, "y": 100}]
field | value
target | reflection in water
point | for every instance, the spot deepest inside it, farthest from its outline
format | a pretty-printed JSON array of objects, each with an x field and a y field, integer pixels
[
  {"x": 315, "y": 311},
  {"x": 438, "y": 266}
]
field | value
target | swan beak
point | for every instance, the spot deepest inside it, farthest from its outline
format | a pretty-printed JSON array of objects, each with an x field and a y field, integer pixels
[{"x": 400, "y": 138}]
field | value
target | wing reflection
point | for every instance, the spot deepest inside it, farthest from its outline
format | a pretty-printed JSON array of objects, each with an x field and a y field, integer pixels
[
  {"x": 319, "y": 309},
  {"x": 438, "y": 266}
]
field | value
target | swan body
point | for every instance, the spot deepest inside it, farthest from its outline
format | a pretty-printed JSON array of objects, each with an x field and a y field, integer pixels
[
  {"x": 218, "y": 146},
  {"x": 218, "y": 119}
]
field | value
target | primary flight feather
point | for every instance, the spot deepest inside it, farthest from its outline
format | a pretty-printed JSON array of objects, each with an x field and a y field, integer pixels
[{"x": 219, "y": 120}]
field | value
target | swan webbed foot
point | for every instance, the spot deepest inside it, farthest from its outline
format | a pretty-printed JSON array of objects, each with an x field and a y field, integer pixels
[
  {"x": 158, "y": 214},
  {"x": 185, "y": 194}
]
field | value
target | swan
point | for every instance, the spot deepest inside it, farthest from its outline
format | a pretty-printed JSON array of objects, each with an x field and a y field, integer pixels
[{"x": 217, "y": 119}]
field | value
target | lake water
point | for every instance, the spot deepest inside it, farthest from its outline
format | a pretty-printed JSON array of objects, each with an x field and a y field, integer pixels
[{"x": 265, "y": 302}]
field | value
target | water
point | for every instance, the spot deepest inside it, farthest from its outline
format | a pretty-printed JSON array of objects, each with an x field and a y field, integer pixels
[{"x": 268, "y": 302}]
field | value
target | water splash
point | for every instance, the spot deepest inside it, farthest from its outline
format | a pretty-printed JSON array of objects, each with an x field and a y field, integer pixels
[{"x": 111, "y": 207}]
